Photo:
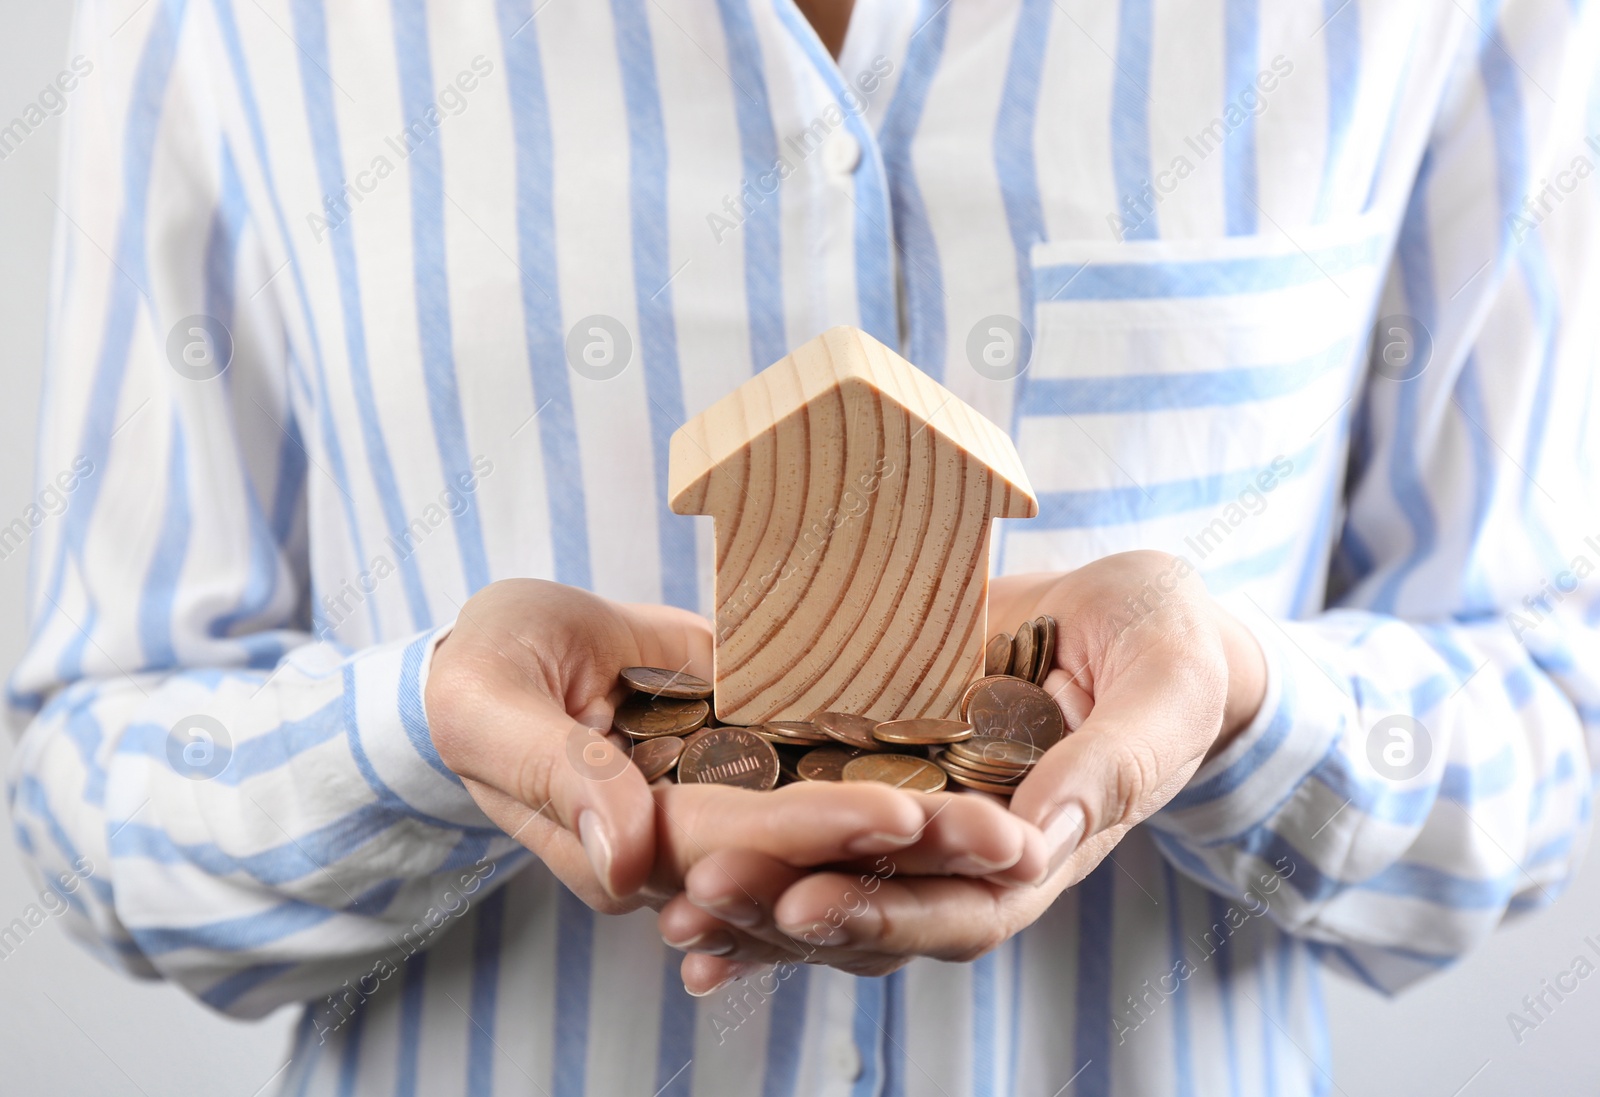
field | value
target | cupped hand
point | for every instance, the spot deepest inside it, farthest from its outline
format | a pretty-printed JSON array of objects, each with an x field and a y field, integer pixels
[
  {"x": 518, "y": 694},
  {"x": 1152, "y": 676}
]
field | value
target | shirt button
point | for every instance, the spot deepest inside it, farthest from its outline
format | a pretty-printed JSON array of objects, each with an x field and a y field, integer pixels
[
  {"x": 844, "y": 1058},
  {"x": 842, "y": 154}
]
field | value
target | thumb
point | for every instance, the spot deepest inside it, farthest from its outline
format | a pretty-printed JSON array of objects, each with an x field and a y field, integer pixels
[
  {"x": 525, "y": 745},
  {"x": 1147, "y": 730}
]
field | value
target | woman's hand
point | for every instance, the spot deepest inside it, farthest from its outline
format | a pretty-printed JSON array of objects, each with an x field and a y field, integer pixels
[
  {"x": 1152, "y": 676},
  {"x": 516, "y": 695}
]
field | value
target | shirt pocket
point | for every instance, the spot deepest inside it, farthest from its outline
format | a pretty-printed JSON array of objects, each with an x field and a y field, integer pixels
[{"x": 1193, "y": 396}]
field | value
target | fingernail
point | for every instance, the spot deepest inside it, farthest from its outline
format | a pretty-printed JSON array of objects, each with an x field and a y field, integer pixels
[
  {"x": 970, "y": 864},
  {"x": 713, "y": 942},
  {"x": 597, "y": 847},
  {"x": 740, "y": 970},
  {"x": 879, "y": 842},
  {"x": 1062, "y": 836},
  {"x": 733, "y": 909}
]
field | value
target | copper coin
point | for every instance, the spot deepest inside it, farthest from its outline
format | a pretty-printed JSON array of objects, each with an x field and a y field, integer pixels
[
  {"x": 645, "y": 717},
  {"x": 964, "y": 778},
  {"x": 899, "y": 770},
  {"x": 997, "y": 656},
  {"x": 667, "y": 683},
  {"x": 1024, "y": 650},
  {"x": 796, "y": 731},
  {"x": 966, "y": 698},
  {"x": 922, "y": 733},
  {"x": 996, "y": 753},
  {"x": 849, "y": 729},
  {"x": 729, "y": 756},
  {"x": 656, "y": 757},
  {"x": 826, "y": 763},
  {"x": 1044, "y": 634},
  {"x": 953, "y": 764},
  {"x": 1009, "y": 708}
]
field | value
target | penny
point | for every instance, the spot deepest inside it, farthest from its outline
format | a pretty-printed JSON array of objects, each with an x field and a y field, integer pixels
[
  {"x": 656, "y": 757},
  {"x": 826, "y": 763},
  {"x": 851, "y": 730},
  {"x": 969, "y": 781},
  {"x": 997, "y": 656},
  {"x": 899, "y": 770},
  {"x": 729, "y": 756},
  {"x": 644, "y": 717},
  {"x": 796, "y": 731},
  {"x": 966, "y": 698},
  {"x": 1044, "y": 629},
  {"x": 667, "y": 683},
  {"x": 999, "y": 774},
  {"x": 1009, "y": 708},
  {"x": 1023, "y": 652},
  {"x": 993, "y": 751},
  {"x": 922, "y": 732}
]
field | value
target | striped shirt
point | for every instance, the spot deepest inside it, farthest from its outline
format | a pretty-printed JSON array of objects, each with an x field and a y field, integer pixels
[{"x": 1298, "y": 289}]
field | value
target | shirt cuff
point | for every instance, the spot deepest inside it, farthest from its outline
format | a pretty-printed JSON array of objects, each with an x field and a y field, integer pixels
[
  {"x": 384, "y": 690},
  {"x": 1249, "y": 781}
]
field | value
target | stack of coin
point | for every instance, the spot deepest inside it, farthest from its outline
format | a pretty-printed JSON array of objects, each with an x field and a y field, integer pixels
[{"x": 1007, "y": 723}]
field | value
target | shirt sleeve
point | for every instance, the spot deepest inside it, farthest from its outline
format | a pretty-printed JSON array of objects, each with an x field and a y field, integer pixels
[
  {"x": 1422, "y": 765},
  {"x": 219, "y": 794}
]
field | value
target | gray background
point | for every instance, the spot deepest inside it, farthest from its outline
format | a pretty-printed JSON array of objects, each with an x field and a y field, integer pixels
[{"x": 68, "y": 1026}]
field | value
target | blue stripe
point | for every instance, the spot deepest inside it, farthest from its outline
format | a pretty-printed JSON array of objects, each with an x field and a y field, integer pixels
[
  {"x": 350, "y": 1053},
  {"x": 894, "y": 1035},
  {"x": 481, "y": 1045},
  {"x": 1269, "y": 1025},
  {"x": 1415, "y": 258},
  {"x": 1239, "y": 182},
  {"x": 758, "y": 153},
  {"x": 1091, "y": 1032},
  {"x": 541, "y": 306},
  {"x": 147, "y": 98},
  {"x": 675, "y": 1046},
  {"x": 1016, "y": 168},
  {"x": 311, "y": 35},
  {"x": 358, "y": 752},
  {"x": 1311, "y": 587},
  {"x": 413, "y": 712},
  {"x": 1151, "y": 392},
  {"x": 265, "y": 538},
  {"x": 225, "y": 992},
  {"x": 921, "y": 271},
  {"x": 251, "y": 757},
  {"x": 1217, "y": 914},
  {"x": 786, "y": 1033},
  {"x": 158, "y": 599},
  {"x": 867, "y": 1029},
  {"x": 412, "y": 995},
  {"x": 434, "y": 325},
  {"x": 1182, "y": 1040},
  {"x": 574, "y": 975},
  {"x": 985, "y": 1016},
  {"x": 306, "y": 1053},
  {"x": 873, "y": 237},
  {"x": 652, "y": 277},
  {"x": 1130, "y": 121},
  {"x": 1092, "y": 508},
  {"x": 333, "y": 446},
  {"x": 1341, "y": 43},
  {"x": 1149, "y": 280}
]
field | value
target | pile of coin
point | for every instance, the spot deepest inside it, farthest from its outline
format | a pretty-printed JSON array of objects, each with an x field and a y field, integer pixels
[{"x": 1007, "y": 723}]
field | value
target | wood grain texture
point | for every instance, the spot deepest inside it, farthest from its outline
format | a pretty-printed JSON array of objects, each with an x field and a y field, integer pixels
[{"x": 851, "y": 495}]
